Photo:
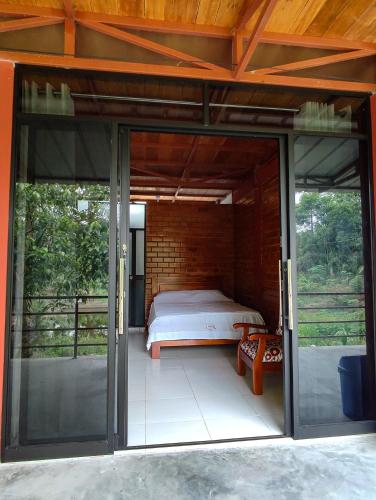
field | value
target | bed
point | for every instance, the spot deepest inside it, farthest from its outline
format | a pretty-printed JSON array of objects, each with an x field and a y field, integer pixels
[{"x": 194, "y": 312}]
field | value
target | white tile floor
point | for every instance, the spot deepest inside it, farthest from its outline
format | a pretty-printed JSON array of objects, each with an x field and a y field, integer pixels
[{"x": 194, "y": 394}]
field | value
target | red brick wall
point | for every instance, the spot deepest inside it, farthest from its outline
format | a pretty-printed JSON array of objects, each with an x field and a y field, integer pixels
[
  {"x": 189, "y": 239},
  {"x": 257, "y": 242}
]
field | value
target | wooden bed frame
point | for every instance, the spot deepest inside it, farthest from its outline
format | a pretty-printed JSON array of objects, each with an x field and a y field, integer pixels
[{"x": 176, "y": 283}]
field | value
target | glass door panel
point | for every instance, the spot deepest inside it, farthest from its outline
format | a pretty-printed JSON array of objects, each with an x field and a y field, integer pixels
[
  {"x": 59, "y": 336},
  {"x": 335, "y": 378}
]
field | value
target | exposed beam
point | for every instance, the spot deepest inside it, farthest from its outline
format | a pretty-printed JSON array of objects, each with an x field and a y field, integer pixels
[
  {"x": 164, "y": 197},
  {"x": 69, "y": 29},
  {"x": 68, "y": 8},
  {"x": 314, "y": 42},
  {"x": 223, "y": 175},
  {"x": 223, "y": 75},
  {"x": 246, "y": 13},
  {"x": 27, "y": 10},
  {"x": 263, "y": 18},
  {"x": 181, "y": 164},
  {"x": 185, "y": 29},
  {"x": 188, "y": 162},
  {"x": 237, "y": 49},
  {"x": 142, "y": 180},
  {"x": 155, "y": 25},
  {"x": 69, "y": 37},
  {"x": 148, "y": 44},
  {"x": 27, "y": 23},
  {"x": 316, "y": 62},
  {"x": 216, "y": 146}
]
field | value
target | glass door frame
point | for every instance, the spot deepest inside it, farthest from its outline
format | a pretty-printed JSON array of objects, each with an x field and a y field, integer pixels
[
  {"x": 79, "y": 447},
  {"x": 125, "y": 130},
  {"x": 300, "y": 431}
]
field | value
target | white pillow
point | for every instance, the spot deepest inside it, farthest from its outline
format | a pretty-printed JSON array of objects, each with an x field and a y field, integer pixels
[{"x": 191, "y": 296}]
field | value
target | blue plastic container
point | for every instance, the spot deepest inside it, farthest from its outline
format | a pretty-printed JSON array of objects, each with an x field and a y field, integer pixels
[{"x": 351, "y": 371}]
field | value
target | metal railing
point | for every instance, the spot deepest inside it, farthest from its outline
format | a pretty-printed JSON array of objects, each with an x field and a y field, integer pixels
[
  {"x": 331, "y": 308},
  {"x": 76, "y": 312}
]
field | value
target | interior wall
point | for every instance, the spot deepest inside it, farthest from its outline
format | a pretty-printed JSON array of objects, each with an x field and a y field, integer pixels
[
  {"x": 257, "y": 241},
  {"x": 189, "y": 239}
]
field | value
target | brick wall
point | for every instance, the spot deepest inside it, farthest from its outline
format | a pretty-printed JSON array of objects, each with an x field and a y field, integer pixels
[
  {"x": 257, "y": 242},
  {"x": 189, "y": 239}
]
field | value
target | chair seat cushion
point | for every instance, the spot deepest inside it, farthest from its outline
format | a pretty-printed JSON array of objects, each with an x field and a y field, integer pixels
[{"x": 273, "y": 350}]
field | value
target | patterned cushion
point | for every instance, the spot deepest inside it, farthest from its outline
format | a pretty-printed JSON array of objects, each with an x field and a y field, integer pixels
[{"x": 273, "y": 350}]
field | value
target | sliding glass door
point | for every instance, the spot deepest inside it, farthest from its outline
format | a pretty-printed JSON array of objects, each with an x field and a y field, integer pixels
[
  {"x": 333, "y": 329},
  {"x": 61, "y": 348}
]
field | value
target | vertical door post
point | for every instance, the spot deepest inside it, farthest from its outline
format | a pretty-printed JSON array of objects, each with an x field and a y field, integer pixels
[{"x": 6, "y": 128}]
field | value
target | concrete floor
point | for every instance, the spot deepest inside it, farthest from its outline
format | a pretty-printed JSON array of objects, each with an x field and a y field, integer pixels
[{"x": 335, "y": 468}]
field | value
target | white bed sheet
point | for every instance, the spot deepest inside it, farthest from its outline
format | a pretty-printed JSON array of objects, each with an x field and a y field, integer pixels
[{"x": 205, "y": 320}]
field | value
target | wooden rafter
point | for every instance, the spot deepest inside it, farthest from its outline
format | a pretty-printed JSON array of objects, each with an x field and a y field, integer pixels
[
  {"x": 140, "y": 180},
  {"x": 254, "y": 39},
  {"x": 317, "y": 61},
  {"x": 188, "y": 163},
  {"x": 28, "y": 10},
  {"x": 222, "y": 75},
  {"x": 314, "y": 42},
  {"x": 34, "y": 17},
  {"x": 27, "y": 23},
  {"x": 335, "y": 43},
  {"x": 248, "y": 10},
  {"x": 147, "y": 44},
  {"x": 69, "y": 29}
]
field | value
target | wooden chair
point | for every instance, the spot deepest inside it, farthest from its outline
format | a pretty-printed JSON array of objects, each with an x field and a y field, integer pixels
[{"x": 260, "y": 351}]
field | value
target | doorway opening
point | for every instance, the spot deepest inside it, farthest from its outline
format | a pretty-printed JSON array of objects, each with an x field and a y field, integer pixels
[{"x": 213, "y": 233}]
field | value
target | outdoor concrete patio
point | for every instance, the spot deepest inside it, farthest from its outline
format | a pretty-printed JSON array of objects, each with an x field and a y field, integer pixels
[{"x": 336, "y": 468}]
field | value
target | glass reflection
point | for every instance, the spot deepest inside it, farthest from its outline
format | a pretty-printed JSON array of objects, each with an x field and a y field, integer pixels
[
  {"x": 59, "y": 323},
  {"x": 336, "y": 369}
]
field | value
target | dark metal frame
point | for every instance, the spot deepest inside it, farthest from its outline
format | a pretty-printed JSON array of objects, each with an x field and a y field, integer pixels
[
  {"x": 285, "y": 137},
  {"x": 300, "y": 431},
  {"x": 64, "y": 448}
]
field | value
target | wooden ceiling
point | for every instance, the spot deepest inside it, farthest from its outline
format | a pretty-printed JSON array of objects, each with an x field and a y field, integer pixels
[
  {"x": 351, "y": 19},
  {"x": 177, "y": 167},
  {"x": 217, "y": 40}
]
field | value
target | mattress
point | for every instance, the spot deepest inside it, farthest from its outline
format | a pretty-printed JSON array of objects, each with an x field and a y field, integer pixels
[{"x": 197, "y": 314}]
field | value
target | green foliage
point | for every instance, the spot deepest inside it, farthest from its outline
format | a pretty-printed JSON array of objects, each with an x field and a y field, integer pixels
[
  {"x": 330, "y": 259},
  {"x": 61, "y": 248}
]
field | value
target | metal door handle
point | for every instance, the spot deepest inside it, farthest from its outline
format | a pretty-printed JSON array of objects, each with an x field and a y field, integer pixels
[
  {"x": 122, "y": 261},
  {"x": 289, "y": 295}
]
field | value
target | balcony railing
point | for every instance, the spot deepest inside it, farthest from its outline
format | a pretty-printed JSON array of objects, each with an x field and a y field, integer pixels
[
  {"x": 71, "y": 310},
  {"x": 332, "y": 307}
]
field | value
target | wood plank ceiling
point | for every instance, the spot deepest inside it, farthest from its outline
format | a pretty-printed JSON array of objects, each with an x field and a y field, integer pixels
[
  {"x": 181, "y": 167},
  {"x": 351, "y": 19}
]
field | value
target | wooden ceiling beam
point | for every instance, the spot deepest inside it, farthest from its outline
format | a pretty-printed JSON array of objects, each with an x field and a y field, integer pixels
[
  {"x": 181, "y": 164},
  {"x": 69, "y": 29},
  {"x": 28, "y": 10},
  {"x": 155, "y": 25},
  {"x": 223, "y": 75},
  {"x": 316, "y": 62},
  {"x": 186, "y": 29},
  {"x": 142, "y": 180},
  {"x": 216, "y": 146},
  {"x": 314, "y": 42},
  {"x": 247, "y": 11},
  {"x": 28, "y": 23},
  {"x": 147, "y": 44},
  {"x": 188, "y": 162},
  {"x": 255, "y": 36}
]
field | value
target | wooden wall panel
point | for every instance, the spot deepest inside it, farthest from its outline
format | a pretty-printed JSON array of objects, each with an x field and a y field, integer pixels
[
  {"x": 189, "y": 239},
  {"x": 257, "y": 242}
]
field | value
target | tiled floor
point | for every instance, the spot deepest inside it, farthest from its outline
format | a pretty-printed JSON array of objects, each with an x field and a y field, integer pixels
[{"x": 194, "y": 394}]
